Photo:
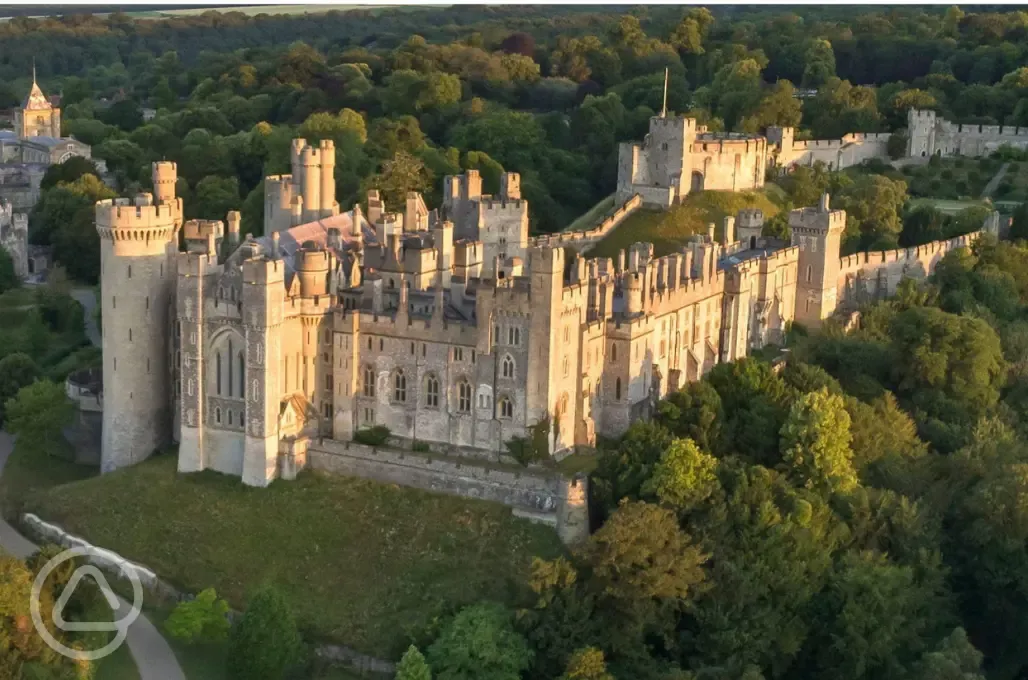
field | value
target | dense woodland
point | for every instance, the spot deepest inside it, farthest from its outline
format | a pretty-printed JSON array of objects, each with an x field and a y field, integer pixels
[
  {"x": 411, "y": 95},
  {"x": 861, "y": 513}
]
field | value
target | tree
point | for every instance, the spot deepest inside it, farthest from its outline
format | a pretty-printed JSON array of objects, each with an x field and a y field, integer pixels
[
  {"x": 65, "y": 218},
  {"x": 684, "y": 477},
  {"x": 347, "y": 123},
  {"x": 955, "y": 658},
  {"x": 820, "y": 63},
  {"x": 8, "y": 277},
  {"x": 214, "y": 197},
  {"x": 202, "y": 619},
  {"x": 413, "y": 666},
  {"x": 38, "y": 413},
  {"x": 67, "y": 171},
  {"x": 816, "y": 442},
  {"x": 896, "y": 147},
  {"x": 587, "y": 664},
  {"x": 873, "y": 205},
  {"x": 692, "y": 29},
  {"x": 265, "y": 643},
  {"x": 1019, "y": 223},
  {"x": 519, "y": 43},
  {"x": 16, "y": 371},
  {"x": 480, "y": 643},
  {"x": 622, "y": 472},
  {"x": 400, "y": 175},
  {"x": 643, "y": 569},
  {"x": 778, "y": 106}
]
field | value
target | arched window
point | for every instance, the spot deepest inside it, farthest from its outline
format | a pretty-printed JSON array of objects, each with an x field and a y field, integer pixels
[
  {"x": 617, "y": 389},
  {"x": 230, "y": 416},
  {"x": 506, "y": 408},
  {"x": 217, "y": 370},
  {"x": 399, "y": 387},
  {"x": 809, "y": 270},
  {"x": 508, "y": 366},
  {"x": 228, "y": 360},
  {"x": 217, "y": 416},
  {"x": 431, "y": 391},
  {"x": 567, "y": 367},
  {"x": 464, "y": 396},
  {"x": 613, "y": 352},
  {"x": 241, "y": 377},
  {"x": 369, "y": 381}
]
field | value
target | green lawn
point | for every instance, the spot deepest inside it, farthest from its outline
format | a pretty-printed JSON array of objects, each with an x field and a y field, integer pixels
[
  {"x": 947, "y": 206},
  {"x": 119, "y": 666},
  {"x": 30, "y": 472},
  {"x": 671, "y": 229},
  {"x": 365, "y": 564},
  {"x": 593, "y": 216}
]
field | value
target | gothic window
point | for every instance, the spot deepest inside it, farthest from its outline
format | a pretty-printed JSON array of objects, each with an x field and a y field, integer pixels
[
  {"x": 217, "y": 416},
  {"x": 513, "y": 336},
  {"x": 506, "y": 408},
  {"x": 567, "y": 367},
  {"x": 431, "y": 391},
  {"x": 458, "y": 354},
  {"x": 400, "y": 387},
  {"x": 369, "y": 381},
  {"x": 240, "y": 367},
  {"x": 217, "y": 370},
  {"x": 369, "y": 343},
  {"x": 254, "y": 390},
  {"x": 613, "y": 353},
  {"x": 464, "y": 396},
  {"x": 809, "y": 271},
  {"x": 508, "y": 367},
  {"x": 617, "y": 389}
]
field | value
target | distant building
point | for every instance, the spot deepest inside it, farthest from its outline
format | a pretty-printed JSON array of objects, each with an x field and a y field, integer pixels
[{"x": 31, "y": 147}]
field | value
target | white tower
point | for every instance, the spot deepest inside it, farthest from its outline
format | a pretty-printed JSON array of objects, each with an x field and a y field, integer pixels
[{"x": 138, "y": 240}]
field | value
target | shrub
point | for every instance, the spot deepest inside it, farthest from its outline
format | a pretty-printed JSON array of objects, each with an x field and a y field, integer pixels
[
  {"x": 372, "y": 436},
  {"x": 421, "y": 447},
  {"x": 533, "y": 448},
  {"x": 265, "y": 644},
  {"x": 203, "y": 619}
]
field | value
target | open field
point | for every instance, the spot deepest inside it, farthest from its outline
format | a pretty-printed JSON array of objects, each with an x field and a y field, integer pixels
[
  {"x": 364, "y": 564},
  {"x": 947, "y": 206},
  {"x": 669, "y": 230}
]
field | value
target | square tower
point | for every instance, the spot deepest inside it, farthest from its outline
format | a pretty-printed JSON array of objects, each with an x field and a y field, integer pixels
[{"x": 818, "y": 233}]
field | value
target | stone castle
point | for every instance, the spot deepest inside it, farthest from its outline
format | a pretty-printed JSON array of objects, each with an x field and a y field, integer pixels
[
  {"x": 929, "y": 135},
  {"x": 451, "y": 328}
]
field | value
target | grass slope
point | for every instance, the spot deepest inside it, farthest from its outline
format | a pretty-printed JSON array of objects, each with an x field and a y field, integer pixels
[
  {"x": 593, "y": 216},
  {"x": 364, "y": 564},
  {"x": 30, "y": 472},
  {"x": 669, "y": 230}
]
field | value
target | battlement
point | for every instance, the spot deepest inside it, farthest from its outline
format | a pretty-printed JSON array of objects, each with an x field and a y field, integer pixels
[
  {"x": 546, "y": 259},
  {"x": 493, "y": 205},
  {"x": 264, "y": 271},
  {"x": 312, "y": 259},
  {"x": 201, "y": 229},
  {"x": 120, "y": 214}
]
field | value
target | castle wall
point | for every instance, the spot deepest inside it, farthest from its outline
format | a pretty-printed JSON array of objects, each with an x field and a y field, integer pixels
[
  {"x": 727, "y": 165},
  {"x": 869, "y": 276},
  {"x": 853, "y": 149},
  {"x": 930, "y": 135}
]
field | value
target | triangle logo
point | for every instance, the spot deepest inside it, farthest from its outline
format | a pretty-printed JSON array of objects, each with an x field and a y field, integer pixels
[{"x": 69, "y": 590}]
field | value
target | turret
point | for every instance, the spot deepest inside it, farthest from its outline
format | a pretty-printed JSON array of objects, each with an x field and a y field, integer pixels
[
  {"x": 329, "y": 207},
  {"x": 137, "y": 247},
  {"x": 818, "y": 233},
  {"x": 311, "y": 184},
  {"x": 233, "y": 220}
]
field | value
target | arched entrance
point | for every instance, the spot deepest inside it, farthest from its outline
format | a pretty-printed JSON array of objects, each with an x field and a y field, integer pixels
[{"x": 697, "y": 181}]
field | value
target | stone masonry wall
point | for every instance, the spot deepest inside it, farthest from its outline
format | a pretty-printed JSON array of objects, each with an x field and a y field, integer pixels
[
  {"x": 584, "y": 240},
  {"x": 525, "y": 490}
]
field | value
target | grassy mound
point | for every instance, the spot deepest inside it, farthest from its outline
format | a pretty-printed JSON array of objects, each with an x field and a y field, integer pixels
[
  {"x": 669, "y": 230},
  {"x": 364, "y": 564}
]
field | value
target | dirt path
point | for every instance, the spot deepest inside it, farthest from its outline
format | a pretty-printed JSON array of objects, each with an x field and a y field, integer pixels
[{"x": 994, "y": 182}]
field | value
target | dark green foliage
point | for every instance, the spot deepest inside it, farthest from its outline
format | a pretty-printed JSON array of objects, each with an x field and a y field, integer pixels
[
  {"x": 16, "y": 371},
  {"x": 372, "y": 436},
  {"x": 533, "y": 448},
  {"x": 480, "y": 643},
  {"x": 8, "y": 277},
  {"x": 264, "y": 644}
]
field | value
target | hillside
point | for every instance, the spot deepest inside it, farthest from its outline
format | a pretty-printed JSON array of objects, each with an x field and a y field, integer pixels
[
  {"x": 669, "y": 230},
  {"x": 363, "y": 564}
]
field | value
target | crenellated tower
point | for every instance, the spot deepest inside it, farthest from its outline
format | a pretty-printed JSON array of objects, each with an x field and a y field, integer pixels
[
  {"x": 818, "y": 233},
  {"x": 138, "y": 241}
]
